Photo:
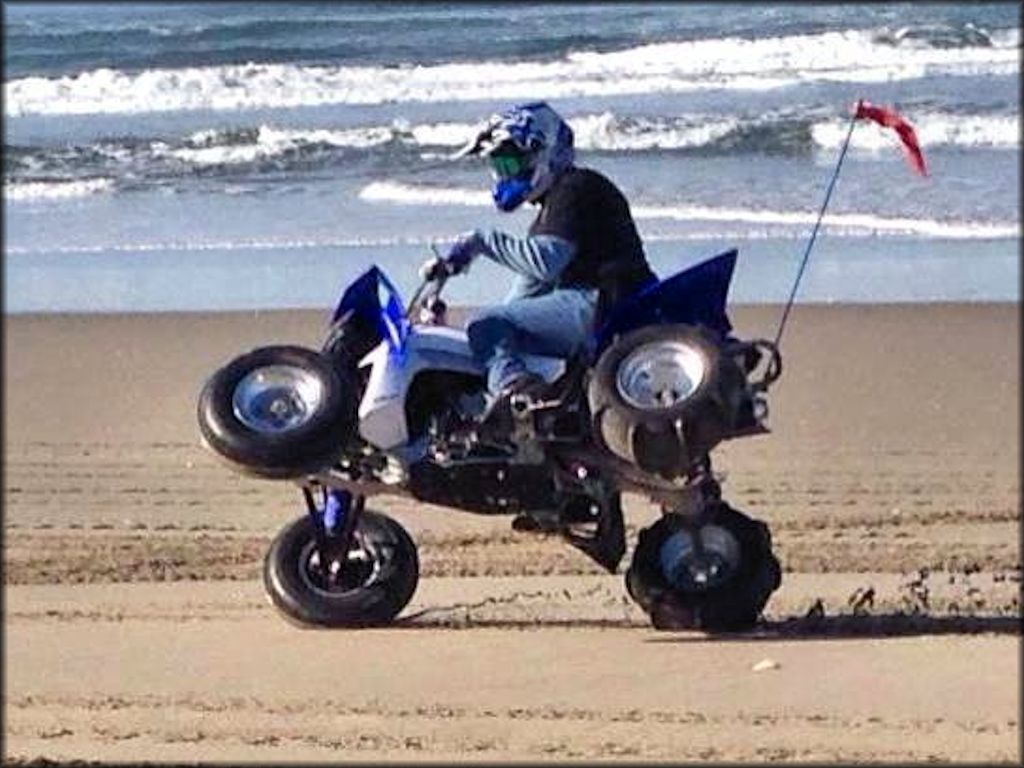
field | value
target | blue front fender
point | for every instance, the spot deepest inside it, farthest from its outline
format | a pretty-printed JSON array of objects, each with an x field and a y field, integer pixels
[{"x": 373, "y": 298}]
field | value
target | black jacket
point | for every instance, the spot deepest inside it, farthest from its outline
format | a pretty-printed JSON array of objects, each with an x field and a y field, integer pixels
[{"x": 587, "y": 209}]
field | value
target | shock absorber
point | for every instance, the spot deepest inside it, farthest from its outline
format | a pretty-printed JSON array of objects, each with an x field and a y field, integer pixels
[{"x": 335, "y": 521}]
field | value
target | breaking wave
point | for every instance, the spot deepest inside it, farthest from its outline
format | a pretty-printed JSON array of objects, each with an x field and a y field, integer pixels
[
  {"x": 608, "y": 132},
  {"x": 279, "y": 148},
  {"x": 933, "y": 129},
  {"x": 671, "y": 67},
  {"x": 409, "y": 194},
  {"x": 55, "y": 190}
]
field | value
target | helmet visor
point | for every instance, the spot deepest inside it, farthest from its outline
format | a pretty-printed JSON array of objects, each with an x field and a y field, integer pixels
[{"x": 510, "y": 165}]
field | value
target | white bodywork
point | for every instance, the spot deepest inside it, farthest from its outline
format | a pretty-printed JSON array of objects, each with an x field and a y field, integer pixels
[{"x": 427, "y": 348}]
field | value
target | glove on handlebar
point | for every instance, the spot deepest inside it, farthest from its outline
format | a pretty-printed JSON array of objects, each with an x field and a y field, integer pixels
[
  {"x": 434, "y": 269},
  {"x": 460, "y": 255}
]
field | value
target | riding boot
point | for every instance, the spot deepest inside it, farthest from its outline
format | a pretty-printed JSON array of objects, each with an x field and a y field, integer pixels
[{"x": 497, "y": 418}]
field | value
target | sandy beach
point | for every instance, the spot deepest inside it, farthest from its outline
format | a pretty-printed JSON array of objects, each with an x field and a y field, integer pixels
[{"x": 136, "y": 628}]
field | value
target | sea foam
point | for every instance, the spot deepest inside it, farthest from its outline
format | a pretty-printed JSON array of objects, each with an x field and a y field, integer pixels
[
  {"x": 608, "y": 132},
  {"x": 932, "y": 129},
  {"x": 675, "y": 67},
  {"x": 55, "y": 190}
]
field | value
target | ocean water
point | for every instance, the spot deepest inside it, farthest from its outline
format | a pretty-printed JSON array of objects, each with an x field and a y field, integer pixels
[{"x": 207, "y": 156}]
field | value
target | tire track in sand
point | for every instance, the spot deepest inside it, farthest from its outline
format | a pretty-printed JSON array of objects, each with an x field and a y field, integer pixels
[
  {"x": 45, "y": 556},
  {"x": 337, "y": 726}
]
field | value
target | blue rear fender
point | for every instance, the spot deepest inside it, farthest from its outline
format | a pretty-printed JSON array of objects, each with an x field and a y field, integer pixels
[{"x": 695, "y": 296}]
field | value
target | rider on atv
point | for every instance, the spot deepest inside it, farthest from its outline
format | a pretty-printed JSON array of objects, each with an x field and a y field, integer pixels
[
  {"x": 581, "y": 254},
  {"x": 396, "y": 408}
]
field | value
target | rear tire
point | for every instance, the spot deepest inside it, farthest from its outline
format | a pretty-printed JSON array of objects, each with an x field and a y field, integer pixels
[
  {"x": 382, "y": 584},
  {"x": 663, "y": 396},
  {"x": 733, "y": 604},
  {"x": 314, "y": 404}
]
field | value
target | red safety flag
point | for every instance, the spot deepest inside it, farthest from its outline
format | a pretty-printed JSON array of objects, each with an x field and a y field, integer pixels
[{"x": 889, "y": 118}]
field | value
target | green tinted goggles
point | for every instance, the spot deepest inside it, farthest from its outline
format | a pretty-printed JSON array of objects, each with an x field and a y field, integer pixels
[{"x": 509, "y": 166}]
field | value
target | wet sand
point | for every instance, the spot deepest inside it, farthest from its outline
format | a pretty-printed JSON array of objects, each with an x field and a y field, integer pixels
[{"x": 136, "y": 626}]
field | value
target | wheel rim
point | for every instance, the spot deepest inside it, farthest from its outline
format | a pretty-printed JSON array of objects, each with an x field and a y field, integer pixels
[
  {"x": 277, "y": 398},
  {"x": 363, "y": 567},
  {"x": 699, "y": 561},
  {"x": 661, "y": 374}
]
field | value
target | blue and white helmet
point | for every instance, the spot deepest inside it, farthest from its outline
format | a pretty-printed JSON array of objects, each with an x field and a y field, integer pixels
[{"x": 528, "y": 145}]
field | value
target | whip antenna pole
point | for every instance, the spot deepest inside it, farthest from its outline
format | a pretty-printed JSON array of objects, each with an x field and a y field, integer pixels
[{"x": 817, "y": 224}]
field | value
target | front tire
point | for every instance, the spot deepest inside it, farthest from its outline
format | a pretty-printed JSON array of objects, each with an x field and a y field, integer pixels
[
  {"x": 279, "y": 412},
  {"x": 714, "y": 576},
  {"x": 375, "y": 583}
]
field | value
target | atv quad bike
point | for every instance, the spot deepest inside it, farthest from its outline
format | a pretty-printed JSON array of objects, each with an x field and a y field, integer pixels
[{"x": 392, "y": 402}]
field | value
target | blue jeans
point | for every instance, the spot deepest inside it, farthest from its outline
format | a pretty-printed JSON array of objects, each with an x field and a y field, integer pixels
[
  {"x": 555, "y": 323},
  {"x": 536, "y": 318}
]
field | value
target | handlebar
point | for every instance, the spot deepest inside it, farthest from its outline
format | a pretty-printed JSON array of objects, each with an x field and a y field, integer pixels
[{"x": 423, "y": 298}]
